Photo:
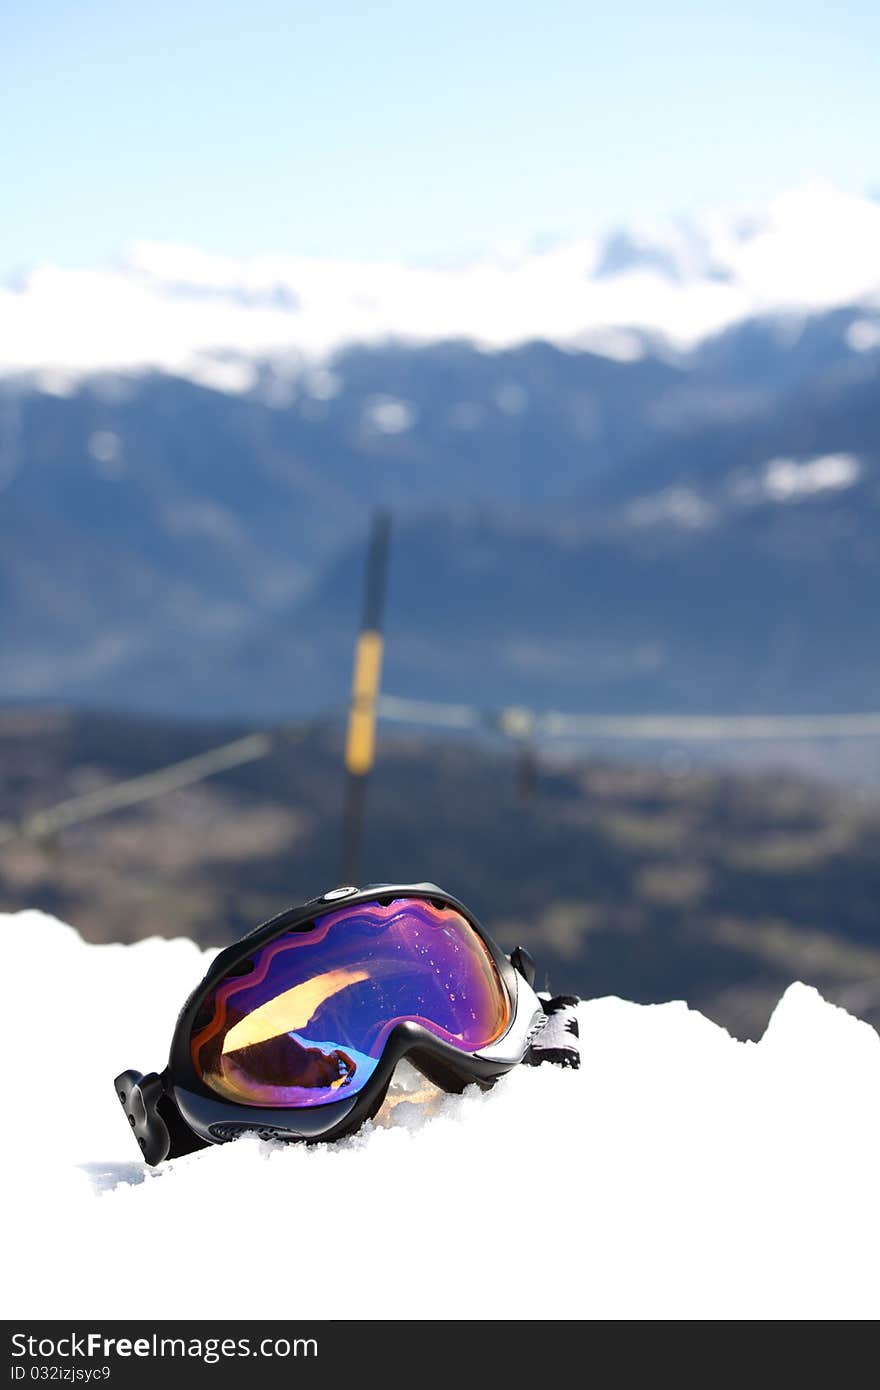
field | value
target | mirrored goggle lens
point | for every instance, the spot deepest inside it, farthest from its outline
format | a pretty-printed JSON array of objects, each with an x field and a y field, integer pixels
[{"x": 308, "y": 1023}]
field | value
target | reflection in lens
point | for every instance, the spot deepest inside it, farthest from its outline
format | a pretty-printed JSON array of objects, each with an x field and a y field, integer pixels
[{"x": 308, "y": 1024}]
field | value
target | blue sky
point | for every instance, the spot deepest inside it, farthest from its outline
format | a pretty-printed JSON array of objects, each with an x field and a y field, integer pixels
[{"x": 415, "y": 131}]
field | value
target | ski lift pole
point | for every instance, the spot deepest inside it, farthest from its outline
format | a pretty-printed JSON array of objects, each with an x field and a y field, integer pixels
[{"x": 360, "y": 744}]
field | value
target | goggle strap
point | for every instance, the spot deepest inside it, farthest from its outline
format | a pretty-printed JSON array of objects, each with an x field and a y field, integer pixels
[{"x": 559, "y": 1039}]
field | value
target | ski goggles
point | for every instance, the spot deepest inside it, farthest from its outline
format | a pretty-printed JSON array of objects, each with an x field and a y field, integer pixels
[{"x": 295, "y": 1031}]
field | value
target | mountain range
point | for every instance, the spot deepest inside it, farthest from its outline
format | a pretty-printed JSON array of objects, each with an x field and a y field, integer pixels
[{"x": 639, "y": 473}]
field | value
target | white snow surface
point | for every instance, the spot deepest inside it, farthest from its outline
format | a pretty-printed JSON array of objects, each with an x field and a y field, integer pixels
[
  {"x": 680, "y": 1173},
  {"x": 213, "y": 319}
]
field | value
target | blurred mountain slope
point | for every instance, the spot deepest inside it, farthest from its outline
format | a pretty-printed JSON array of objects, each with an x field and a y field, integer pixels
[{"x": 568, "y": 531}]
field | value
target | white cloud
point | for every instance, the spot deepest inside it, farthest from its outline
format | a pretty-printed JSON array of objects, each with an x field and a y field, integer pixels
[{"x": 206, "y": 317}]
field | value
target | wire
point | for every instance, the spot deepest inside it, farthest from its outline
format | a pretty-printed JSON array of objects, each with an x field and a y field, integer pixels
[
  {"x": 43, "y": 824},
  {"x": 513, "y": 721},
  {"x": 401, "y": 711},
  {"x": 696, "y": 728},
  {"x": 517, "y": 721}
]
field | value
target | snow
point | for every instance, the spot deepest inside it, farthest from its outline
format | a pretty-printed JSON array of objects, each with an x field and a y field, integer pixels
[
  {"x": 779, "y": 480},
  {"x": 789, "y": 479},
  {"x": 680, "y": 1173},
  {"x": 212, "y": 319}
]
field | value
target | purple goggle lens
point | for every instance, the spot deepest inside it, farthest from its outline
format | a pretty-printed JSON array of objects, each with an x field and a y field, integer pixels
[{"x": 308, "y": 1023}]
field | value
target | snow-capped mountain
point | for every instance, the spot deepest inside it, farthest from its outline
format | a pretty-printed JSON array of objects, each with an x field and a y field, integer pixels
[
  {"x": 213, "y": 319},
  {"x": 657, "y": 491}
]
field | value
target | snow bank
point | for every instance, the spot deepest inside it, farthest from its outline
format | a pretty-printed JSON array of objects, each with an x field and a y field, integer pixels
[{"x": 680, "y": 1173}]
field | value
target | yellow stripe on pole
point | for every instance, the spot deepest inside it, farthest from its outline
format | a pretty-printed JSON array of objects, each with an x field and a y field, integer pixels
[{"x": 360, "y": 745}]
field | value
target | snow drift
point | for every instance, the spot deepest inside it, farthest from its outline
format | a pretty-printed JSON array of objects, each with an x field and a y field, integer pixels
[{"x": 679, "y": 1174}]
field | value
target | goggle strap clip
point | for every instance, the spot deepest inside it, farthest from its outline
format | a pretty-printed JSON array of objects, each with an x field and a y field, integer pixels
[
  {"x": 156, "y": 1122},
  {"x": 521, "y": 960}
]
